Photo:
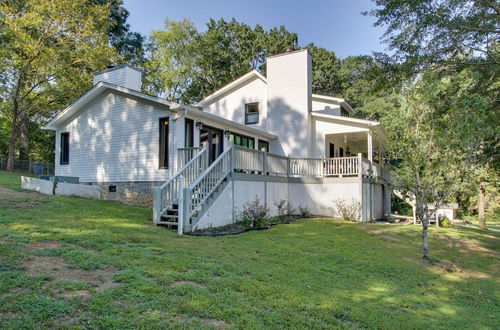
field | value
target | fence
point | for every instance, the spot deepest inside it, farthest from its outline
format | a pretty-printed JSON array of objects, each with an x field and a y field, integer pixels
[{"x": 28, "y": 166}]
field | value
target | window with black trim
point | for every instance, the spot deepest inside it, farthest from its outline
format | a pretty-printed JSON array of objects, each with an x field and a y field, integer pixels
[
  {"x": 252, "y": 113},
  {"x": 242, "y": 140},
  {"x": 164, "y": 142},
  {"x": 188, "y": 133},
  {"x": 64, "y": 148},
  {"x": 263, "y": 145}
]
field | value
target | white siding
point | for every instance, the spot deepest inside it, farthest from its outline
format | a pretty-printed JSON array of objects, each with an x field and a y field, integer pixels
[
  {"x": 326, "y": 107},
  {"x": 289, "y": 102},
  {"x": 321, "y": 128},
  {"x": 115, "y": 139},
  {"x": 231, "y": 105},
  {"x": 123, "y": 76}
]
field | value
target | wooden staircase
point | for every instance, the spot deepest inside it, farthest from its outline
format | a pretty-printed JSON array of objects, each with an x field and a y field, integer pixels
[{"x": 184, "y": 198}]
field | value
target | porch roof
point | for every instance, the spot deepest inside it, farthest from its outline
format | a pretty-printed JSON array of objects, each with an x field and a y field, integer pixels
[
  {"x": 348, "y": 121},
  {"x": 225, "y": 123}
]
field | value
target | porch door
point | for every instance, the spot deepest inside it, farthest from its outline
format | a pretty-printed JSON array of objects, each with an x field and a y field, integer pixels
[{"x": 211, "y": 138}]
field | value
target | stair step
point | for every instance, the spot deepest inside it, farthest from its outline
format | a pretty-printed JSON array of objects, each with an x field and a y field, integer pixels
[{"x": 170, "y": 223}]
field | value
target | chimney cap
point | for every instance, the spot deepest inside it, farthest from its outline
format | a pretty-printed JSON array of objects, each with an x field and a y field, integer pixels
[{"x": 116, "y": 67}]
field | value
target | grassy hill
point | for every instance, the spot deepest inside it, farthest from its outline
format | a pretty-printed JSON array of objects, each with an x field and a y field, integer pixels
[{"x": 67, "y": 262}]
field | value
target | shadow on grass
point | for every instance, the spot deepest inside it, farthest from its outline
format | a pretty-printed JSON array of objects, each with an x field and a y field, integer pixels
[{"x": 312, "y": 273}]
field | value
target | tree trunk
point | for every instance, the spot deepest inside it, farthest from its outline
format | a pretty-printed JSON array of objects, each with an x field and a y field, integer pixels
[
  {"x": 12, "y": 145},
  {"x": 24, "y": 138},
  {"x": 481, "y": 205},
  {"x": 425, "y": 243}
]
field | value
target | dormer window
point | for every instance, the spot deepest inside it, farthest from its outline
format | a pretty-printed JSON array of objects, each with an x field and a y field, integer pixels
[{"x": 252, "y": 113}]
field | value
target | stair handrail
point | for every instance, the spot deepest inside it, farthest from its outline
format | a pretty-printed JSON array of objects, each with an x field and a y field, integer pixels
[
  {"x": 201, "y": 188},
  {"x": 166, "y": 193}
]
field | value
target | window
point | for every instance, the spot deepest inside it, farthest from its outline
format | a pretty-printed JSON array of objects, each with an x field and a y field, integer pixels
[
  {"x": 341, "y": 152},
  {"x": 242, "y": 140},
  {"x": 344, "y": 112},
  {"x": 251, "y": 113},
  {"x": 164, "y": 142},
  {"x": 188, "y": 133},
  {"x": 332, "y": 150},
  {"x": 263, "y": 146},
  {"x": 64, "y": 148}
]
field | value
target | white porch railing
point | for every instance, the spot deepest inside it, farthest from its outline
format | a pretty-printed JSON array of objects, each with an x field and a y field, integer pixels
[
  {"x": 166, "y": 194},
  {"x": 342, "y": 166},
  {"x": 201, "y": 188},
  {"x": 270, "y": 164},
  {"x": 184, "y": 155}
]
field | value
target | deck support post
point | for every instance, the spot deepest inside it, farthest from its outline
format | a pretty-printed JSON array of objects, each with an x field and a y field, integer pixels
[
  {"x": 370, "y": 147},
  {"x": 156, "y": 204},
  {"x": 180, "y": 211}
]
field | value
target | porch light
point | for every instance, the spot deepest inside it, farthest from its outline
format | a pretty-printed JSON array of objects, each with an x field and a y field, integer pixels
[{"x": 199, "y": 124}]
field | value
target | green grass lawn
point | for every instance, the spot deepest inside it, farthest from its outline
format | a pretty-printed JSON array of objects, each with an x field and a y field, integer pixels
[
  {"x": 67, "y": 262},
  {"x": 490, "y": 222}
]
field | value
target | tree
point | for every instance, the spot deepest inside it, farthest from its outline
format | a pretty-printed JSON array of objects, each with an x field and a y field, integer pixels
[
  {"x": 438, "y": 33},
  {"x": 49, "y": 51},
  {"x": 452, "y": 36},
  {"x": 171, "y": 62},
  {"x": 433, "y": 139},
  {"x": 128, "y": 44},
  {"x": 325, "y": 72},
  {"x": 205, "y": 62}
]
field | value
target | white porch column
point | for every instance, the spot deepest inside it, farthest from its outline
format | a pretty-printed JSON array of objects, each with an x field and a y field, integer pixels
[{"x": 370, "y": 147}]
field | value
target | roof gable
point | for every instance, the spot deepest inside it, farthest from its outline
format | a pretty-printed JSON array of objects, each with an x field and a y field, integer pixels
[
  {"x": 241, "y": 81},
  {"x": 93, "y": 93}
]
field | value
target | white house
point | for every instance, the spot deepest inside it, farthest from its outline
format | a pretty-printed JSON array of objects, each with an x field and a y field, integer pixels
[{"x": 269, "y": 137}]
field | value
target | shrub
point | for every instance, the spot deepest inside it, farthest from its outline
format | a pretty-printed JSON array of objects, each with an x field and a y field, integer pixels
[
  {"x": 445, "y": 223},
  {"x": 304, "y": 211},
  {"x": 349, "y": 210},
  {"x": 285, "y": 210},
  {"x": 255, "y": 214}
]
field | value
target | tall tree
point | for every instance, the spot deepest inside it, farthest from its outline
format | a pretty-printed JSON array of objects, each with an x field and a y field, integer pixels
[
  {"x": 434, "y": 140},
  {"x": 49, "y": 51},
  {"x": 128, "y": 44},
  {"x": 209, "y": 60},
  {"x": 451, "y": 35},
  {"x": 440, "y": 32},
  {"x": 325, "y": 71}
]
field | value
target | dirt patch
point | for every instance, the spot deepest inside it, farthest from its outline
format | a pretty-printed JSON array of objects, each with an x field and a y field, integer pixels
[
  {"x": 54, "y": 245},
  {"x": 465, "y": 245},
  {"x": 58, "y": 268},
  {"x": 85, "y": 294},
  {"x": 5, "y": 241},
  {"x": 12, "y": 199},
  {"x": 214, "y": 323},
  {"x": 181, "y": 283},
  {"x": 77, "y": 246},
  {"x": 450, "y": 268},
  {"x": 41, "y": 245},
  {"x": 390, "y": 237}
]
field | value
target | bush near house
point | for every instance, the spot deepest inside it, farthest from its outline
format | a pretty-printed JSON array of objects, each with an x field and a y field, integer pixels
[
  {"x": 255, "y": 214},
  {"x": 76, "y": 263},
  {"x": 349, "y": 210}
]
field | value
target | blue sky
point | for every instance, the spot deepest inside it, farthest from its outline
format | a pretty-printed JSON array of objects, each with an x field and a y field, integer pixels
[{"x": 333, "y": 24}]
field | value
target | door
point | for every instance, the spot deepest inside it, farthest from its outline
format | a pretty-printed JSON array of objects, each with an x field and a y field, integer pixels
[{"x": 211, "y": 138}]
